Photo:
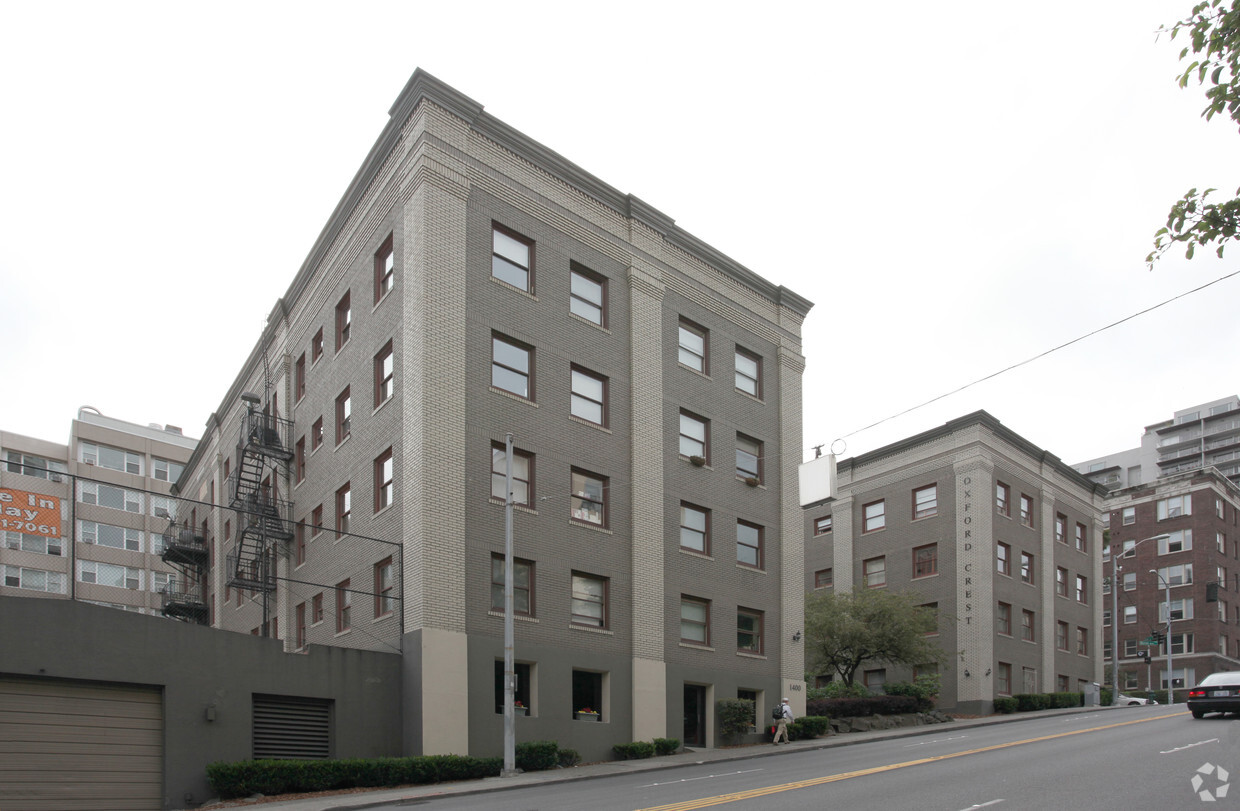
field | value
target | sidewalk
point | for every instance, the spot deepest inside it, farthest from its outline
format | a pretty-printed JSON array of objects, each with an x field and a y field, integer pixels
[{"x": 377, "y": 797}]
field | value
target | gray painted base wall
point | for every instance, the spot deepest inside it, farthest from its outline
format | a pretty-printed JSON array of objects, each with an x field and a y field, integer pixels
[{"x": 197, "y": 668}]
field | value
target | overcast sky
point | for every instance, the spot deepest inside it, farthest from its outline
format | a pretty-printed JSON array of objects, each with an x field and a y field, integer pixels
[{"x": 957, "y": 186}]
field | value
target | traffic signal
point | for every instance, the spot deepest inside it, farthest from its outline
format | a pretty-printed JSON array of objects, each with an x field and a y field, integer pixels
[{"x": 1146, "y": 655}]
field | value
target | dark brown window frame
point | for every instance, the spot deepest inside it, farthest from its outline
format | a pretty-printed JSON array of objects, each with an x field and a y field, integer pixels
[
  {"x": 529, "y": 269},
  {"x": 382, "y": 485},
  {"x": 605, "y": 416},
  {"x": 344, "y": 319},
  {"x": 384, "y": 383},
  {"x": 385, "y": 276},
  {"x": 759, "y": 548}
]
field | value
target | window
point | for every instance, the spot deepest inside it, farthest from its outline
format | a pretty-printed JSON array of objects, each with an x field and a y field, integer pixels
[
  {"x": 344, "y": 508},
  {"x": 1175, "y": 507},
  {"x": 874, "y": 571},
  {"x": 316, "y": 346},
  {"x": 1026, "y": 568},
  {"x": 1061, "y": 636},
  {"x": 105, "y": 495},
  {"x": 316, "y": 609},
  {"x": 748, "y": 630},
  {"x": 316, "y": 520},
  {"x": 588, "y": 694},
  {"x": 926, "y": 560},
  {"x": 1003, "y": 499},
  {"x": 1131, "y": 647},
  {"x": 316, "y": 434},
  {"x": 1218, "y": 508},
  {"x": 1130, "y": 615},
  {"x": 748, "y": 372},
  {"x": 1003, "y": 679},
  {"x": 1082, "y": 589},
  {"x": 385, "y": 269},
  {"x": 1180, "y": 575},
  {"x": 1179, "y": 541},
  {"x": 748, "y": 457},
  {"x": 694, "y": 528},
  {"x": 33, "y": 543},
  {"x": 1026, "y": 510},
  {"x": 1061, "y": 524},
  {"x": 512, "y": 258},
  {"x": 1061, "y": 581},
  {"x": 111, "y": 458},
  {"x": 521, "y": 693},
  {"x": 300, "y": 641},
  {"x": 1130, "y": 581},
  {"x": 1003, "y": 619},
  {"x": 522, "y": 474},
  {"x": 749, "y": 544},
  {"x": 824, "y": 579},
  {"x": 587, "y": 295},
  {"x": 589, "y": 499},
  {"x": 344, "y": 321},
  {"x": 589, "y": 396},
  {"x": 19, "y": 577},
  {"x": 108, "y": 535},
  {"x": 299, "y": 378},
  {"x": 822, "y": 525},
  {"x": 694, "y": 436},
  {"x": 1129, "y": 516},
  {"x": 165, "y": 470},
  {"x": 28, "y": 465},
  {"x": 1026, "y": 625},
  {"x": 1181, "y": 644},
  {"x": 1180, "y": 610},
  {"x": 693, "y": 346},
  {"x": 512, "y": 367},
  {"x": 106, "y": 574},
  {"x": 385, "y": 583},
  {"x": 933, "y": 610},
  {"x": 589, "y": 602},
  {"x": 299, "y": 544},
  {"x": 384, "y": 374},
  {"x": 299, "y": 460},
  {"x": 874, "y": 680},
  {"x": 874, "y": 516},
  {"x": 694, "y": 621},
  {"x": 344, "y": 415},
  {"x": 1003, "y": 558},
  {"x": 1082, "y": 641},
  {"x": 1081, "y": 539},
  {"x": 926, "y": 501},
  {"x": 385, "y": 476},
  {"x": 522, "y": 585},
  {"x": 344, "y": 604}
]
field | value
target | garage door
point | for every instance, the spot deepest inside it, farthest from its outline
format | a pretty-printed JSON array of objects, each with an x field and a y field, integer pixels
[{"x": 80, "y": 746}]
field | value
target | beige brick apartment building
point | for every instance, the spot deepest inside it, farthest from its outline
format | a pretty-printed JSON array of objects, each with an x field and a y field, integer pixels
[
  {"x": 470, "y": 284},
  {"x": 1000, "y": 536}
]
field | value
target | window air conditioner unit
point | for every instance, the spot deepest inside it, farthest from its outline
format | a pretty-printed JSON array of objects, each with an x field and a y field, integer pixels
[{"x": 88, "y": 540}]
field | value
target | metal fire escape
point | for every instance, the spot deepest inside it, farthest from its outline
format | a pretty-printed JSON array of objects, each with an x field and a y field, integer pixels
[
  {"x": 184, "y": 597},
  {"x": 263, "y": 452}
]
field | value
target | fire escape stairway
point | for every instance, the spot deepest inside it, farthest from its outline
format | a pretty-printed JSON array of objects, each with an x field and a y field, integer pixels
[
  {"x": 252, "y": 562},
  {"x": 186, "y": 552}
]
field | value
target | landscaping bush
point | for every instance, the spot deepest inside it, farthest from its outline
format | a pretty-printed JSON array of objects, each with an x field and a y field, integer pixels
[
  {"x": 838, "y": 689},
  {"x": 735, "y": 717},
  {"x": 636, "y": 750},
  {"x": 1031, "y": 702},
  {"x": 925, "y": 688},
  {"x": 808, "y": 726},
  {"x": 568, "y": 758},
  {"x": 861, "y": 707},
  {"x": 1005, "y": 705},
  {"x": 537, "y": 756},
  {"x": 666, "y": 746},
  {"x": 241, "y": 779},
  {"x": 1066, "y": 700}
]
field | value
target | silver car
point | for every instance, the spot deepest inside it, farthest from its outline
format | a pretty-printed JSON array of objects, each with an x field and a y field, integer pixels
[{"x": 1133, "y": 701}]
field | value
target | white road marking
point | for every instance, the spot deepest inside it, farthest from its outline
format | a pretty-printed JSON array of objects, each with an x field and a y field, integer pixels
[
  {"x": 1190, "y": 746},
  {"x": 936, "y": 740},
  {"x": 707, "y": 777},
  {"x": 983, "y": 805}
]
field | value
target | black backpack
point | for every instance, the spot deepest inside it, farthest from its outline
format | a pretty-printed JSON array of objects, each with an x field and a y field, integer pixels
[{"x": 777, "y": 713}]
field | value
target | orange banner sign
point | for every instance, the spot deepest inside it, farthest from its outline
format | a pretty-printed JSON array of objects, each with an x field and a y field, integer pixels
[{"x": 31, "y": 513}]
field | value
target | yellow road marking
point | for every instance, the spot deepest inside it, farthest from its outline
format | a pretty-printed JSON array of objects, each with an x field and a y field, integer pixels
[{"x": 706, "y": 802}]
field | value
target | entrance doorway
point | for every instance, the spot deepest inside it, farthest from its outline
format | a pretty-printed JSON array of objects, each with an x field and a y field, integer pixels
[{"x": 695, "y": 715}]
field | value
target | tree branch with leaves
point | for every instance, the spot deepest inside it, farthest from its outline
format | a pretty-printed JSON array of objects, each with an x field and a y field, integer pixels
[
  {"x": 845, "y": 631},
  {"x": 1213, "y": 29}
]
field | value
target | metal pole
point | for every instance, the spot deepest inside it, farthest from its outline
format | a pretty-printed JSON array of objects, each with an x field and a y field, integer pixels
[
  {"x": 510, "y": 676},
  {"x": 1114, "y": 627},
  {"x": 1167, "y": 640}
]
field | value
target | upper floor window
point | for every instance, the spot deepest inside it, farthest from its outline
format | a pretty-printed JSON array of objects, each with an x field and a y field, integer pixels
[
  {"x": 589, "y": 600},
  {"x": 693, "y": 346},
  {"x": 37, "y": 466},
  {"x": 1082, "y": 589},
  {"x": 111, "y": 458},
  {"x": 589, "y": 499},
  {"x": 1061, "y": 524},
  {"x": 512, "y": 367},
  {"x": 1179, "y": 575},
  {"x": 748, "y": 372},
  {"x": 20, "y": 577},
  {"x": 749, "y": 544},
  {"x": 344, "y": 509},
  {"x": 108, "y": 574},
  {"x": 589, "y": 396},
  {"x": 1003, "y": 558},
  {"x": 344, "y": 321},
  {"x": 926, "y": 560},
  {"x": 512, "y": 258},
  {"x": 165, "y": 470},
  {"x": 316, "y": 346},
  {"x": 588, "y": 295},
  {"x": 874, "y": 572},
  {"x": 822, "y": 525},
  {"x": 1129, "y": 515},
  {"x": 824, "y": 579},
  {"x": 344, "y": 606},
  {"x": 748, "y": 457},
  {"x": 316, "y": 435},
  {"x": 105, "y": 495},
  {"x": 874, "y": 516},
  {"x": 694, "y": 528},
  {"x": 1080, "y": 537},
  {"x": 299, "y": 377},
  {"x": 694, "y": 436},
  {"x": 385, "y": 480},
  {"x": 1003, "y": 499},
  {"x": 522, "y": 474},
  {"x": 1175, "y": 506},
  {"x": 1026, "y": 510},
  {"x": 109, "y": 535},
  {"x": 385, "y": 598},
  {"x": 384, "y": 374},
  {"x": 344, "y": 415},
  {"x": 748, "y": 630},
  {"x": 1061, "y": 581},
  {"x": 522, "y": 585},
  {"x": 33, "y": 543},
  {"x": 1178, "y": 541},
  {"x": 1026, "y": 568},
  {"x": 385, "y": 269},
  {"x": 926, "y": 501},
  {"x": 694, "y": 621}
]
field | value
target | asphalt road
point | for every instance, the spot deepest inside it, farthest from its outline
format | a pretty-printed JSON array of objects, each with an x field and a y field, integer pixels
[{"x": 1154, "y": 758}]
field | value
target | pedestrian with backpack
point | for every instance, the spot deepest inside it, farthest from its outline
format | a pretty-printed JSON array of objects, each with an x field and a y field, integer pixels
[{"x": 781, "y": 715}]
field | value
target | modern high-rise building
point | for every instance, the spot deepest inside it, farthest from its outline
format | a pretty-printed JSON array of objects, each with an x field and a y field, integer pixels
[
  {"x": 999, "y": 536},
  {"x": 471, "y": 285},
  {"x": 95, "y": 513}
]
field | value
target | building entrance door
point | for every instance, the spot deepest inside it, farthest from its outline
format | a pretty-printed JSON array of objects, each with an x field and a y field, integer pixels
[{"x": 695, "y": 715}]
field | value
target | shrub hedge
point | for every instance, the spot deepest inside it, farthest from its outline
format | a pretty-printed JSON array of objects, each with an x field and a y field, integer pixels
[
  {"x": 869, "y": 705},
  {"x": 230, "y": 780}
]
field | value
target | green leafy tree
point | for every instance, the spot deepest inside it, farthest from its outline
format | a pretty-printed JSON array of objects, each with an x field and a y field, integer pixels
[
  {"x": 844, "y": 631},
  {"x": 1213, "y": 29}
]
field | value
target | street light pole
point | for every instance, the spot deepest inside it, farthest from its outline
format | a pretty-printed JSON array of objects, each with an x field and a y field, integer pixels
[
  {"x": 1167, "y": 640},
  {"x": 1115, "y": 570}
]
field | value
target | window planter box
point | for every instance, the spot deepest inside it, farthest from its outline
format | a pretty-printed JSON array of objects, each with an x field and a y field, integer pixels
[{"x": 586, "y": 716}]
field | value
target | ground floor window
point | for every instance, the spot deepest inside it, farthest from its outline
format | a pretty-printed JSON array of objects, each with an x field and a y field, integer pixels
[
  {"x": 752, "y": 697},
  {"x": 521, "y": 690},
  {"x": 587, "y": 695}
]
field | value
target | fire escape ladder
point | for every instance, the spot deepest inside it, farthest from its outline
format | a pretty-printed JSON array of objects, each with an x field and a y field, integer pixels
[{"x": 184, "y": 598}]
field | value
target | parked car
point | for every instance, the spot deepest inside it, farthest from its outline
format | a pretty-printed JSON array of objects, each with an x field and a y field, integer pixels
[
  {"x": 1133, "y": 701},
  {"x": 1218, "y": 692}
]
